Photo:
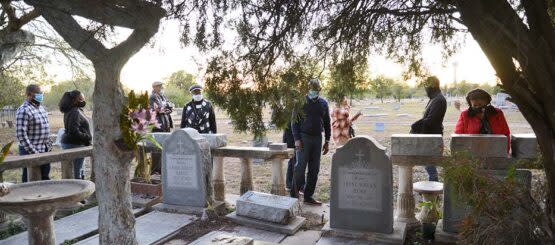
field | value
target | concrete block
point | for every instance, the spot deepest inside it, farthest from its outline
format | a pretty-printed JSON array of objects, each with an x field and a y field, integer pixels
[
  {"x": 524, "y": 146},
  {"x": 289, "y": 229},
  {"x": 222, "y": 238},
  {"x": 215, "y": 140},
  {"x": 417, "y": 144},
  {"x": 480, "y": 145},
  {"x": 267, "y": 207}
]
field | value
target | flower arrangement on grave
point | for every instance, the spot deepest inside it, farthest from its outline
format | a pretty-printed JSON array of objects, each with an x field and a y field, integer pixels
[
  {"x": 3, "y": 153},
  {"x": 136, "y": 120}
]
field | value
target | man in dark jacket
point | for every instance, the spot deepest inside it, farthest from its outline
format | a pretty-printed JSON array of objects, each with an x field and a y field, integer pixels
[
  {"x": 432, "y": 121},
  {"x": 307, "y": 130},
  {"x": 199, "y": 113},
  {"x": 290, "y": 141}
]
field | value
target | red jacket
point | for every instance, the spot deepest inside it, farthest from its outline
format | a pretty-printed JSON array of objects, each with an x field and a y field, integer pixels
[{"x": 471, "y": 125}]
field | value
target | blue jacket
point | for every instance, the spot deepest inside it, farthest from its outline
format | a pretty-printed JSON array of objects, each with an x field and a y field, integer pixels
[{"x": 314, "y": 119}]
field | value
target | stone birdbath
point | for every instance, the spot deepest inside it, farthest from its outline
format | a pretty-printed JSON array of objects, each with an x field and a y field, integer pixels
[{"x": 38, "y": 201}]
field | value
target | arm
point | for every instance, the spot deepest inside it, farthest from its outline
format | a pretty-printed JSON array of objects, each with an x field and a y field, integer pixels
[
  {"x": 212, "y": 120},
  {"x": 326, "y": 122},
  {"x": 437, "y": 111},
  {"x": 73, "y": 126},
  {"x": 22, "y": 122},
  {"x": 460, "y": 126}
]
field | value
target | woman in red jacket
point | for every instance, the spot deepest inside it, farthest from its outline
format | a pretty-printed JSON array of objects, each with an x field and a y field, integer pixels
[{"x": 481, "y": 117}]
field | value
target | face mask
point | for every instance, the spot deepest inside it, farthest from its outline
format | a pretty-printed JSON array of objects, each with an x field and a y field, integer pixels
[
  {"x": 82, "y": 104},
  {"x": 39, "y": 97},
  {"x": 197, "y": 97},
  {"x": 312, "y": 94},
  {"x": 478, "y": 108}
]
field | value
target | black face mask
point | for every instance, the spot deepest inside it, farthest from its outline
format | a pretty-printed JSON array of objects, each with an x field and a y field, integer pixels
[{"x": 81, "y": 104}]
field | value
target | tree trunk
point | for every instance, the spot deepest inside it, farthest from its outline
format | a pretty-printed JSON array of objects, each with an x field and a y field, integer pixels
[{"x": 111, "y": 164}]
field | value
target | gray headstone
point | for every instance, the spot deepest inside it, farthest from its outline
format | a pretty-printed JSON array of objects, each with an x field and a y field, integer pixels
[
  {"x": 524, "y": 146},
  {"x": 267, "y": 207},
  {"x": 261, "y": 141},
  {"x": 417, "y": 145},
  {"x": 361, "y": 187},
  {"x": 480, "y": 145},
  {"x": 454, "y": 209},
  {"x": 216, "y": 140},
  {"x": 187, "y": 170}
]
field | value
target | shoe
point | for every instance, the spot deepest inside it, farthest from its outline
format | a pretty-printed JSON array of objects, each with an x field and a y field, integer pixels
[{"x": 312, "y": 201}]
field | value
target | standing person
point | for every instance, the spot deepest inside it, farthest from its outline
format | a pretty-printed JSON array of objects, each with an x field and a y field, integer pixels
[
  {"x": 32, "y": 128},
  {"x": 290, "y": 141},
  {"x": 160, "y": 103},
  {"x": 77, "y": 130},
  {"x": 432, "y": 121},
  {"x": 481, "y": 117},
  {"x": 199, "y": 113},
  {"x": 342, "y": 124},
  {"x": 307, "y": 130}
]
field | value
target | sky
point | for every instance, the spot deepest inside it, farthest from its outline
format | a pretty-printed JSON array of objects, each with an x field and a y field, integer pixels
[{"x": 166, "y": 55}]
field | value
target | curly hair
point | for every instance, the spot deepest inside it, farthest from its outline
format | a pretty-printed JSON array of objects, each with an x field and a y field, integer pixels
[{"x": 68, "y": 100}]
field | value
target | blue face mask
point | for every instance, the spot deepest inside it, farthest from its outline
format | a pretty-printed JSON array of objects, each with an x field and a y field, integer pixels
[
  {"x": 312, "y": 94},
  {"x": 39, "y": 97}
]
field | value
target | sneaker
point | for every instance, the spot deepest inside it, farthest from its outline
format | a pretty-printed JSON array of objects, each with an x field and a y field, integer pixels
[{"x": 312, "y": 201}]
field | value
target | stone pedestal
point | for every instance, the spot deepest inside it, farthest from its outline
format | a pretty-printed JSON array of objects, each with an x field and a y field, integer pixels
[
  {"x": 430, "y": 191},
  {"x": 67, "y": 170},
  {"x": 246, "y": 175},
  {"x": 219, "y": 179},
  {"x": 278, "y": 177},
  {"x": 405, "y": 201}
]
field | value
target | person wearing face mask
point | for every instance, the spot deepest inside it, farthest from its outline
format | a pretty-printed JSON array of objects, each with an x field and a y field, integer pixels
[
  {"x": 77, "y": 130},
  {"x": 163, "y": 107},
  {"x": 481, "y": 117},
  {"x": 432, "y": 119},
  {"x": 32, "y": 128},
  {"x": 199, "y": 113},
  {"x": 307, "y": 127}
]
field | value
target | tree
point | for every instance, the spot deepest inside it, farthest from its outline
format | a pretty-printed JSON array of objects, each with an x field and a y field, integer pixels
[
  {"x": 399, "y": 91},
  {"x": 177, "y": 87},
  {"x": 517, "y": 36},
  {"x": 348, "y": 78},
  {"x": 381, "y": 87},
  {"x": 83, "y": 84},
  {"x": 12, "y": 91},
  {"x": 112, "y": 160}
]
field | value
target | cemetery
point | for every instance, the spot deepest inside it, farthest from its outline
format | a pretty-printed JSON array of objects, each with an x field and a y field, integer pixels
[{"x": 277, "y": 122}]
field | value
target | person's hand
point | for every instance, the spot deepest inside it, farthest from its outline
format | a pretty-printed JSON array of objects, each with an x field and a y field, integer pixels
[
  {"x": 326, "y": 148},
  {"x": 298, "y": 145}
]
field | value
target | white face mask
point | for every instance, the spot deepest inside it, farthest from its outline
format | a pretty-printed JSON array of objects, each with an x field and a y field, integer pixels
[{"x": 197, "y": 97}]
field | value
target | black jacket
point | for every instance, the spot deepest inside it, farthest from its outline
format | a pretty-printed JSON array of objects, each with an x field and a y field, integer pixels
[
  {"x": 200, "y": 116},
  {"x": 77, "y": 130},
  {"x": 432, "y": 121}
]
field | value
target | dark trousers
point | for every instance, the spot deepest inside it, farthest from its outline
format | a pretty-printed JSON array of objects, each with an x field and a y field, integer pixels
[
  {"x": 44, "y": 169},
  {"x": 432, "y": 173},
  {"x": 308, "y": 157},
  {"x": 290, "y": 169}
]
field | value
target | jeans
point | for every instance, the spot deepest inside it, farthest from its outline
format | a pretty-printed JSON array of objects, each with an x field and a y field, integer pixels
[
  {"x": 78, "y": 171},
  {"x": 290, "y": 169},
  {"x": 432, "y": 173},
  {"x": 44, "y": 169},
  {"x": 309, "y": 156}
]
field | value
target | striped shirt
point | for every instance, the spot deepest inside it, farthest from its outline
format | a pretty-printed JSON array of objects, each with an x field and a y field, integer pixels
[{"x": 32, "y": 130}]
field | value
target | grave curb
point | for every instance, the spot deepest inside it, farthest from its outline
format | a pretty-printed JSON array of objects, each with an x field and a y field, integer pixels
[
  {"x": 397, "y": 237},
  {"x": 219, "y": 208},
  {"x": 289, "y": 229}
]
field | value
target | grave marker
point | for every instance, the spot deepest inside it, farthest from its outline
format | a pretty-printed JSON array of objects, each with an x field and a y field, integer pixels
[{"x": 379, "y": 127}]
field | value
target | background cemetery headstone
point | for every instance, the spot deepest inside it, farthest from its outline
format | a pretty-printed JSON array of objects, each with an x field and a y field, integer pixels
[{"x": 379, "y": 127}]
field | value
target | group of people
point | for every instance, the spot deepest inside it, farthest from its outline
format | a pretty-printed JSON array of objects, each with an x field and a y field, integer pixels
[
  {"x": 305, "y": 131},
  {"x": 33, "y": 129}
]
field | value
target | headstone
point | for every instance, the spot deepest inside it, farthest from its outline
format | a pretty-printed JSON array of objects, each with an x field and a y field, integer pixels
[
  {"x": 416, "y": 145},
  {"x": 261, "y": 141},
  {"x": 267, "y": 207},
  {"x": 524, "y": 146},
  {"x": 379, "y": 127},
  {"x": 377, "y": 115},
  {"x": 396, "y": 106},
  {"x": 361, "y": 187},
  {"x": 187, "y": 170},
  {"x": 403, "y": 115}
]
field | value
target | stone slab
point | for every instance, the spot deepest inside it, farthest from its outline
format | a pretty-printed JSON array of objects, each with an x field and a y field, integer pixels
[
  {"x": 219, "y": 207},
  {"x": 345, "y": 241},
  {"x": 67, "y": 228},
  {"x": 396, "y": 237},
  {"x": 267, "y": 207},
  {"x": 215, "y": 140},
  {"x": 417, "y": 144},
  {"x": 257, "y": 234},
  {"x": 288, "y": 229},
  {"x": 480, "y": 145},
  {"x": 524, "y": 146},
  {"x": 143, "y": 202},
  {"x": 221, "y": 238},
  {"x": 153, "y": 227},
  {"x": 307, "y": 237},
  {"x": 454, "y": 210},
  {"x": 362, "y": 187}
]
